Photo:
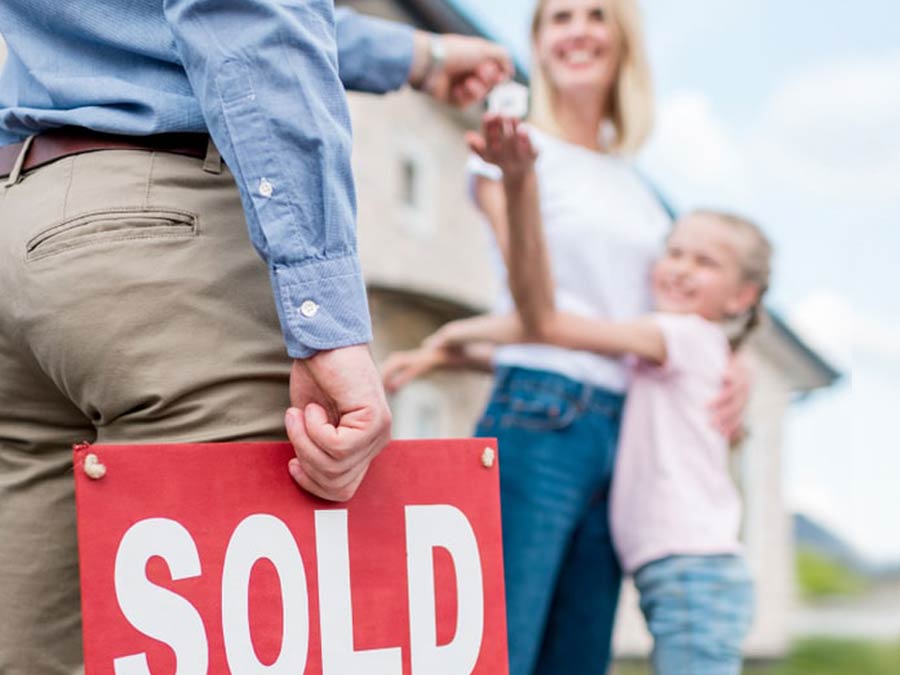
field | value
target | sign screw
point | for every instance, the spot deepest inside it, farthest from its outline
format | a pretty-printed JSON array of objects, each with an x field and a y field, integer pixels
[
  {"x": 93, "y": 468},
  {"x": 488, "y": 457}
]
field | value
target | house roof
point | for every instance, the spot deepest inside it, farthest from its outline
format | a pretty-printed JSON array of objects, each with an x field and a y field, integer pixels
[
  {"x": 445, "y": 16},
  {"x": 805, "y": 369},
  {"x": 441, "y": 16}
]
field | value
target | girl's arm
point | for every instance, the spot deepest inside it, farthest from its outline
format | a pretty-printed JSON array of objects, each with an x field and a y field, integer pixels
[
  {"x": 466, "y": 344},
  {"x": 642, "y": 337},
  {"x": 476, "y": 357},
  {"x": 485, "y": 328},
  {"x": 400, "y": 368}
]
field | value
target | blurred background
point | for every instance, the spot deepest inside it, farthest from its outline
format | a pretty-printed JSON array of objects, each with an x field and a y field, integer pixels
[{"x": 788, "y": 112}]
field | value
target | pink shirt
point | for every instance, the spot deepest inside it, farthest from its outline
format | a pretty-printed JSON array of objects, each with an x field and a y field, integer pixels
[{"x": 672, "y": 491}]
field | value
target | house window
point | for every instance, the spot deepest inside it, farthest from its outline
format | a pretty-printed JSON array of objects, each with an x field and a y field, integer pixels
[
  {"x": 417, "y": 189},
  {"x": 409, "y": 182}
]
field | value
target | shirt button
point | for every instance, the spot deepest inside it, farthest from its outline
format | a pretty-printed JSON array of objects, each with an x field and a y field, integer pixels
[
  {"x": 309, "y": 309},
  {"x": 265, "y": 187}
]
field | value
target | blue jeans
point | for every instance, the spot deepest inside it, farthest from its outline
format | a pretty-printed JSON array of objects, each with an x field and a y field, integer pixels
[
  {"x": 557, "y": 441},
  {"x": 698, "y": 609}
]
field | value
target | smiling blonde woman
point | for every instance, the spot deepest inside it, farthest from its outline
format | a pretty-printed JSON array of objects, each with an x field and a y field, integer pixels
[
  {"x": 628, "y": 100},
  {"x": 556, "y": 412}
]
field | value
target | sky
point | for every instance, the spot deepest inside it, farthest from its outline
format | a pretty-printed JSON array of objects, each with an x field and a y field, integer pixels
[{"x": 790, "y": 112}]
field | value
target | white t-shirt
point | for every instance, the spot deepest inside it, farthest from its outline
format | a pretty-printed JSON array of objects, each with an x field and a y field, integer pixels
[
  {"x": 604, "y": 228},
  {"x": 672, "y": 491}
]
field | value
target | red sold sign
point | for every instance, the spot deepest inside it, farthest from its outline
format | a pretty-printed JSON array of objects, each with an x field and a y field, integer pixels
[{"x": 201, "y": 559}]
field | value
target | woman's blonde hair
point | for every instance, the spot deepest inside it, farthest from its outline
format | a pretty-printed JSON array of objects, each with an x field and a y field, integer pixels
[
  {"x": 631, "y": 101},
  {"x": 755, "y": 260}
]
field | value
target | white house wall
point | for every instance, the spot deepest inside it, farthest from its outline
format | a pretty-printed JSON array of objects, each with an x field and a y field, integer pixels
[
  {"x": 767, "y": 526},
  {"x": 439, "y": 247}
]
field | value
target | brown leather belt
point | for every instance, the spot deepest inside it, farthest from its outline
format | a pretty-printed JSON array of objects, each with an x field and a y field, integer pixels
[{"x": 57, "y": 143}]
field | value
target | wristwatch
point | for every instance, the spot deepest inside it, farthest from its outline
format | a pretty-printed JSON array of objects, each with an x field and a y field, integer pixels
[{"x": 437, "y": 57}]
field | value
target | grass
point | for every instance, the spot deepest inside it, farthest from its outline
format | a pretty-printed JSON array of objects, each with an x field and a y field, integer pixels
[
  {"x": 819, "y": 656},
  {"x": 819, "y": 577},
  {"x": 840, "y": 657}
]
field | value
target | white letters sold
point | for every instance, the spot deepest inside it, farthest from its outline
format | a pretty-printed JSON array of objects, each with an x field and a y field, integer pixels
[{"x": 170, "y": 618}]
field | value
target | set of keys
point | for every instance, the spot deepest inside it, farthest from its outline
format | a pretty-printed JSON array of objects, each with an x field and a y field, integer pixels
[{"x": 509, "y": 99}]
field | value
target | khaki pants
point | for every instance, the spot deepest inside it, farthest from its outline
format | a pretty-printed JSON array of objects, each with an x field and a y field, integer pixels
[{"x": 133, "y": 309}]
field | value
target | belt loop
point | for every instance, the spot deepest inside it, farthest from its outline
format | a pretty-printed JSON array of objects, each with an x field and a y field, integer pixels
[
  {"x": 213, "y": 161},
  {"x": 16, "y": 172},
  {"x": 503, "y": 375},
  {"x": 587, "y": 395}
]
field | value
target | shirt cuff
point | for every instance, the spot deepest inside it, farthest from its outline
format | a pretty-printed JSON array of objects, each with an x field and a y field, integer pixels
[
  {"x": 322, "y": 305},
  {"x": 374, "y": 55}
]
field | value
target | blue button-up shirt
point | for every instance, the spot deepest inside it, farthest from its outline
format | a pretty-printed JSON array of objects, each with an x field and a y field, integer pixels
[{"x": 262, "y": 77}]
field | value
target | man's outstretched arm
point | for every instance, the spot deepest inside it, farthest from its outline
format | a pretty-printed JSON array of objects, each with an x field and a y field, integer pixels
[{"x": 375, "y": 55}]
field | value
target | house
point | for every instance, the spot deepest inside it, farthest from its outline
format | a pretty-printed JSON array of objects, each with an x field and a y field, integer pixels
[{"x": 423, "y": 251}]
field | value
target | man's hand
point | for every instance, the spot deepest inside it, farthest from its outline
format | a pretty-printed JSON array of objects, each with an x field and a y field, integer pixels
[
  {"x": 471, "y": 68},
  {"x": 339, "y": 421}
]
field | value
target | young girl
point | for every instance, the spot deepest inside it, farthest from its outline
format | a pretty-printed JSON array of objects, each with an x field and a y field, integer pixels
[{"x": 675, "y": 512}]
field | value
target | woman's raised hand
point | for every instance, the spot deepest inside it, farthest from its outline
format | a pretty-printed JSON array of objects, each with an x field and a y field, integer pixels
[{"x": 504, "y": 141}]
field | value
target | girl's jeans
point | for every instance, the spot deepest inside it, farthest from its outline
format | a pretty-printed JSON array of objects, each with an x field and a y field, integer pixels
[
  {"x": 698, "y": 609},
  {"x": 557, "y": 441}
]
